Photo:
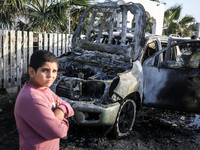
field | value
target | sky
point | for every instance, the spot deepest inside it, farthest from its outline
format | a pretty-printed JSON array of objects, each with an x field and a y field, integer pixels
[{"x": 189, "y": 7}]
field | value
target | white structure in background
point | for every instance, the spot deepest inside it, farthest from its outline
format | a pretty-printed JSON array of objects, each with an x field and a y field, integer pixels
[{"x": 154, "y": 10}]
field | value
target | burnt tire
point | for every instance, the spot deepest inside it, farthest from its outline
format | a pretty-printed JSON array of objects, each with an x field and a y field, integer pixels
[{"x": 125, "y": 119}]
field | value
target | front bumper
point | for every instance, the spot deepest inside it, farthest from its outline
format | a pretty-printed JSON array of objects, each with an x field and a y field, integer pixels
[{"x": 88, "y": 113}]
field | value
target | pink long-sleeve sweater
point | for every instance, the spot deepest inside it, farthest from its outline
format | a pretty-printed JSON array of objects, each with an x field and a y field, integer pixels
[{"x": 37, "y": 125}]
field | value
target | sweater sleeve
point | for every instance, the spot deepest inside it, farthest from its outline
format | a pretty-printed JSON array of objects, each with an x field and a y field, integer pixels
[
  {"x": 42, "y": 119},
  {"x": 64, "y": 106}
]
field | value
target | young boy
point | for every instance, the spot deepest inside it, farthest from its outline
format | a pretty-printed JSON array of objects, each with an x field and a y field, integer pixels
[{"x": 39, "y": 113}]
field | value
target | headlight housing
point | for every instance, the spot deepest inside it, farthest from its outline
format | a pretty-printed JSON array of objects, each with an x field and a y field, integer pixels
[{"x": 82, "y": 90}]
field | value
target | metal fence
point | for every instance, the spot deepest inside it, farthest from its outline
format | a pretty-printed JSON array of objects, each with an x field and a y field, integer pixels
[{"x": 17, "y": 47}]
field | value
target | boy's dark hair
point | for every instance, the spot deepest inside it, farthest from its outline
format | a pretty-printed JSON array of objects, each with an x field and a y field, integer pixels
[{"x": 40, "y": 57}]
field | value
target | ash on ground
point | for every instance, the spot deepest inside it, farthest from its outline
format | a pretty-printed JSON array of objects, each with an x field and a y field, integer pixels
[{"x": 156, "y": 130}]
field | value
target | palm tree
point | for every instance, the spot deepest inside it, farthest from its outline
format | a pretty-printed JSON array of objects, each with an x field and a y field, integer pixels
[
  {"x": 8, "y": 19},
  {"x": 44, "y": 15},
  {"x": 76, "y": 10},
  {"x": 172, "y": 22},
  {"x": 51, "y": 15}
]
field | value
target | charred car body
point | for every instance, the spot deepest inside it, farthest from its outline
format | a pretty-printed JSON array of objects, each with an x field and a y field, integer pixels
[
  {"x": 102, "y": 76},
  {"x": 172, "y": 77}
]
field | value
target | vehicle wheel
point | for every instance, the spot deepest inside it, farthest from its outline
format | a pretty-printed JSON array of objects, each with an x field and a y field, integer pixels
[{"x": 125, "y": 119}]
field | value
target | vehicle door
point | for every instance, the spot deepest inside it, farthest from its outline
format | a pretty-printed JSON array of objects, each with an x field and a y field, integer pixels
[{"x": 172, "y": 78}]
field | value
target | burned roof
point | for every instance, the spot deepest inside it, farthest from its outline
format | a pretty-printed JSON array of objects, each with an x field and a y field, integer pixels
[{"x": 108, "y": 19}]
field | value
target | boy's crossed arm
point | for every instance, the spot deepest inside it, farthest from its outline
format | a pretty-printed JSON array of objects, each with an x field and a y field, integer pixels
[{"x": 59, "y": 114}]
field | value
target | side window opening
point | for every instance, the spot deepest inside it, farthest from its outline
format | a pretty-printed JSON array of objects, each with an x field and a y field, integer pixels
[
  {"x": 183, "y": 56},
  {"x": 151, "y": 49}
]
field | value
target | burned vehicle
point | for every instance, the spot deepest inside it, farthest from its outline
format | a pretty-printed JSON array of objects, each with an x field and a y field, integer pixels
[
  {"x": 101, "y": 77},
  {"x": 172, "y": 77},
  {"x": 115, "y": 70}
]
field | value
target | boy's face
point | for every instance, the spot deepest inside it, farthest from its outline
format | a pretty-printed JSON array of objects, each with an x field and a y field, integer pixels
[{"x": 45, "y": 75}]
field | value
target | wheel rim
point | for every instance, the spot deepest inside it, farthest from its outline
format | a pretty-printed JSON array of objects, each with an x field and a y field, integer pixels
[{"x": 126, "y": 117}]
